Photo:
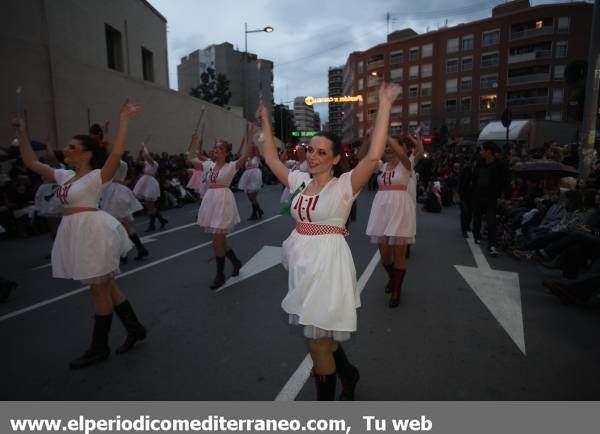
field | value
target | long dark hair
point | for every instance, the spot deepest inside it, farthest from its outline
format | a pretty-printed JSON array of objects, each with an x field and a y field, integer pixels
[
  {"x": 336, "y": 147},
  {"x": 91, "y": 144}
]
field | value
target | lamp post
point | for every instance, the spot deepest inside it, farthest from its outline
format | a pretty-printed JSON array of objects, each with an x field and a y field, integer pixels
[{"x": 267, "y": 29}]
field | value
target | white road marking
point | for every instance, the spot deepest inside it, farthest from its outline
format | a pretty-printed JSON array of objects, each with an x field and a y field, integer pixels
[
  {"x": 127, "y": 273},
  {"x": 294, "y": 385},
  {"x": 264, "y": 259},
  {"x": 500, "y": 293}
]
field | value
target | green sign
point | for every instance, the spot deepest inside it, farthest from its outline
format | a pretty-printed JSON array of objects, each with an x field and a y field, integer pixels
[{"x": 304, "y": 133}]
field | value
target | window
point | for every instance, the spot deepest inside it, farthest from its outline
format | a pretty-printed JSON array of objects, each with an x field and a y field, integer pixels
[
  {"x": 359, "y": 116},
  {"x": 490, "y": 37},
  {"x": 413, "y": 91},
  {"x": 396, "y": 57},
  {"x": 562, "y": 48},
  {"x": 426, "y": 70},
  {"x": 413, "y": 108},
  {"x": 425, "y": 108},
  {"x": 413, "y": 53},
  {"x": 426, "y": 89},
  {"x": 413, "y": 72},
  {"x": 147, "y": 65},
  {"x": 371, "y": 97},
  {"x": 489, "y": 81},
  {"x": 489, "y": 60},
  {"x": 361, "y": 83},
  {"x": 466, "y": 84},
  {"x": 451, "y": 85},
  {"x": 426, "y": 50},
  {"x": 558, "y": 96},
  {"x": 114, "y": 48},
  {"x": 450, "y": 105},
  {"x": 361, "y": 67},
  {"x": 375, "y": 61},
  {"x": 395, "y": 128},
  {"x": 559, "y": 72},
  {"x": 451, "y": 124},
  {"x": 467, "y": 63},
  {"x": 465, "y": 104},
  {"x": 465, "y": 124},
  {"x": 396, "y": 110},
  {"x": 467, "y": 42},
  {"x": 563, "y": 24},
  {"x": 451, "y": 65},
  {"x": 554, "y": 116},
  {"x": 487, "y": 104},
  {"x": 396, "y": 74},
  {"x": 371, "y": 114},
  {"x": 452, "y": 45},
  {"x": 373, "y": 80}
]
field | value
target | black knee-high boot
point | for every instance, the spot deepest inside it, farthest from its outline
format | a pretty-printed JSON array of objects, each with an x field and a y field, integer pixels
[
  {"x": 163, "y": 221},
  {"x": 98, "y": 350},
  {"x": 237, "y": 264},
  {"x": 348, "y": 374},
  {"x": 152, "y": 226},
  {"x": 397, "y": 287},
  {"x": 142, "y": 251},
  {"x": 259, "y": 210},
  {"x": 135, "y": 330},
  {"x": 325, "y": 386},
  {"x": 390, "y": 271},
  {"x": 220, "y": 277},
  {"x": 254, "y": 215}
]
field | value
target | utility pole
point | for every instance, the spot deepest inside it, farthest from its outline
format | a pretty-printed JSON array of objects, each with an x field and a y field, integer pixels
[
  {"x": 592, "y": 88},
  {"x": 387, "y": 16}
]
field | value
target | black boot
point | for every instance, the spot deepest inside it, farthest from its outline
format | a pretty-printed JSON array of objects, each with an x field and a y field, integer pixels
[
  {"x": 254, "y": 215},
  {"x": 163, "y": 221},
  {"x": 135, "y": 330},
  {"x": 259, "y": 210},
  {"x": 325, "y": 386},
  {"x": 348, "y": 374},
  {"x": 220, "y": 277},
  {"x": 98, "y": 350},
  {"x": 390, "y": 271},
  {"x": 396, "y": 287},
  {"x": 152, "y": 226},
  {"x": 124, "y": 260},
  {"x": 142, "y": 251},
  {"x": 6, "y": 286},
  {"x": 237, "y": 264}
]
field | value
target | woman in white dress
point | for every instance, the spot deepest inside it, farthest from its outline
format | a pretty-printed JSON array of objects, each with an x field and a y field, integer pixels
[
  {"x": 147, "y": 189},
  {"x": 323, "y": 295},
  {"x": 218, "y": 213},
  {"x": 89, "y": 241},
  {"x": 251, "y": 182}
]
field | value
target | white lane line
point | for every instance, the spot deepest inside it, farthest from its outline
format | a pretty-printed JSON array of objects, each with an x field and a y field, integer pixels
[
  {"x": 127, "y": 273},
  {"x": 294, "y": 385}
]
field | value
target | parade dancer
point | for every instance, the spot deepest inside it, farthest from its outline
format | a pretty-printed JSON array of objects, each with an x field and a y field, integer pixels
[
  {"x": 197, "y": 182},
  {"x": 218, "y": 213},
  {"x": 251, "y": 182},
  {"x": 323, "y": 295},
  {"x": 147, "y": 189},
  {"x": 89, "y": 241},
  {"x": 291, "y": 164},
  {"x": 392, "y": 222}
]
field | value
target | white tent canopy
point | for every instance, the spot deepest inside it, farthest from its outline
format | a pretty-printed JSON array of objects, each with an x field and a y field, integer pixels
[{"x": 518, "y": 131}]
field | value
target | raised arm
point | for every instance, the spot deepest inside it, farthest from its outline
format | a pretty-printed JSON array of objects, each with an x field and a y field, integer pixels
[
  {"x": 399, "y": 150},
  {"x": 191, "y": 154},
  {"x": 116, "y": 154},
  {"x": 30, "y": 159},
  {"x": 417, "y": 139},
  {"x": 249, "y": 145},
  {"x": 388, "y": 92},
  {"x": 241, "y": 147},
  {"x": 364, "y": 147},
  {"x": 269, "y": 149},
  {"x": 145, "y": 154}
]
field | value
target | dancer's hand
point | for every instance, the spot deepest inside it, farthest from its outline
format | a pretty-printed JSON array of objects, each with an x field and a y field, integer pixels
[
  {"x": 128, "y": 109},
  {"x": 17, "y": 123},
  {"x": 262, "y": 112},
  {"x": 388, "y": 92}
]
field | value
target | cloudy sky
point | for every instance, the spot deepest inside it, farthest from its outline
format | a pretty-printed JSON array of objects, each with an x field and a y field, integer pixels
[{"x": 310, "y": 35}]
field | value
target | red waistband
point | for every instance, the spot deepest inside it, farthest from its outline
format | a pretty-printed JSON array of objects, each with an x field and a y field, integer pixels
[
  {"x": 217, "y": 186},
  {"x": 316, "y": 229},
  {"x": 76, "y": 210},
  {"x": 393, "y": 187}
]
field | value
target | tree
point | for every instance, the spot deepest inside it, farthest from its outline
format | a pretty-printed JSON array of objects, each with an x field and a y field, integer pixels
[{"x": 213, "y": 88}]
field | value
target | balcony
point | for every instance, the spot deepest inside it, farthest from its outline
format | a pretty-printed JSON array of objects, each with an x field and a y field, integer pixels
[
  {"x": 531, "y": 33},
  {"x": 526, "y": 57},
  {"x": 531, "y": 100},
  {"x": 524, "y": 79}
]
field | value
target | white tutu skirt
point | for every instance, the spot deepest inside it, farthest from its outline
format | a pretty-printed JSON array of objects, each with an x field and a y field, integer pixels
[
  {"x": 46, "y": 203},
  {"x": 218, "y": 213},
  {"x": 147, "y": 188},
  {"x": 393, "y": 218},
  {"x": 88, "y": 245},
  {"x": 250, "y": 181},
  {"x": 322, "y": 294},
  {"x": 285, "y": 195},
  {"x": 195, "y": 182},
  {"x": 119, "y": 201}
]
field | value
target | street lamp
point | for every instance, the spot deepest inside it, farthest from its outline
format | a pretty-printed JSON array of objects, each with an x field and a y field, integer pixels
[{"x": 267, "y": 29}]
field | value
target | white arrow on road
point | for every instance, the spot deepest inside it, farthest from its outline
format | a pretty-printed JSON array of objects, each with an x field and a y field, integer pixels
[
  {"x": 266, "y": 258},
  {"x": 500, "y": 293}
]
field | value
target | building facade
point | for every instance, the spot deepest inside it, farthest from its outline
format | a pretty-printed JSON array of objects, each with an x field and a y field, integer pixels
[
  {"x": 465, "y": 76},
  {"x": 247, "y": 85},
  {"x": 336, "y": 88},
  {"x": 304, "y": 115}
]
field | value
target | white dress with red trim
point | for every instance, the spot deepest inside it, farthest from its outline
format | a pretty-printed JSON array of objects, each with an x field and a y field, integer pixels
[
  {"x": 292, "y": 165},
  {"x": 147, "y": 187},
  {"x": 322, "y": 293},
  {"x": 46, "y": 203},
  {"x": 117, "y": 199},
  {"x": 197, "y": 181},
  {"x": 251, "y": 179},
  {"x": 218, "y": 212},
  {"x": 393, "y": 215},
  {"x": 89, "y": 242}
]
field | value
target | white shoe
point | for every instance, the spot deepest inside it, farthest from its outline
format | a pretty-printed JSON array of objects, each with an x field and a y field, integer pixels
[{"x": 493, "y": 251}]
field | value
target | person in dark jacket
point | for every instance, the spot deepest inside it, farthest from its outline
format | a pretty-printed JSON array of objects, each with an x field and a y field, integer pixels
[{"x": 465, "y": 192}]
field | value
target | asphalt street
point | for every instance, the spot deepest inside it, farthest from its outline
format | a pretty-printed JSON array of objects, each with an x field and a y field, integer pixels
[{"x": 485, "y": 330}]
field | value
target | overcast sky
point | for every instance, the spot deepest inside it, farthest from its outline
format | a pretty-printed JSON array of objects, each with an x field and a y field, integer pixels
[{"x": 310, "y": 35}]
